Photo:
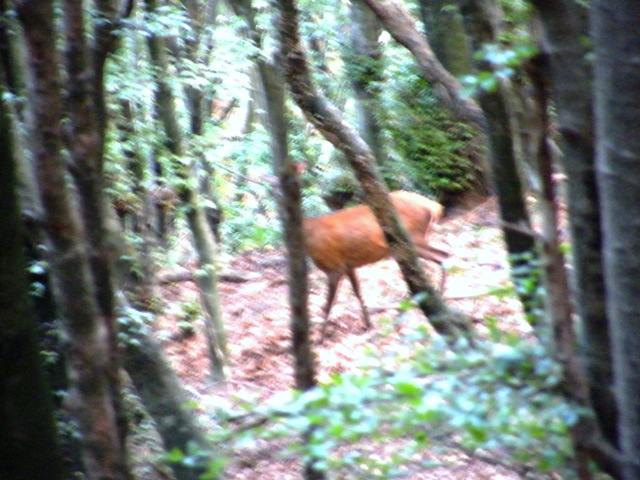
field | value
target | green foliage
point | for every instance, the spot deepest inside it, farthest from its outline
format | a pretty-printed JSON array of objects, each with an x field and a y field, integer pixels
[
  {"x": 246, "y": 186},
  {"x": 190, "y": 312},
  {"x": 502, "y": 63},
  {"x": 496, "y": 400},
  {"x": 526, "y": 273},
  {"x": 505, "y": 59},
  {"x": 133, "y": 324},
  {"x": 435, "y": 148},
  {"x": 197, "y": 459}
]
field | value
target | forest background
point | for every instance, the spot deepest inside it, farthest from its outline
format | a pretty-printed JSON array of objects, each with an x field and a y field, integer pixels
[{"x": 126, "y": 128}]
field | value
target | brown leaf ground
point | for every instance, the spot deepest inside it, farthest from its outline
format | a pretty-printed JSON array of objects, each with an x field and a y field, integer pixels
[{"x": 256, "y": 316}]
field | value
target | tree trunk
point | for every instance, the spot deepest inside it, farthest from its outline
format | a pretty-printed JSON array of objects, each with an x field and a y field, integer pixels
[
  {"x": 91, "y": 397},
  {"x": 204, "y": 242},
  {"x": 291, "y": 215},
  {"x": 290, "y": 204},
  {"x": 564, "y": 26},
  {"x": 445, "y": 31},
  {"x": 198, "y": 50},
  {"x": 402, "y": 27},
  {"x": 327, "y": 119},
  {"x": 397, "y": 20},
  {"x": 164, "y": 399},
  {"x": 137, "y": 270},
  {"x": 157, "y": 384},
  {"x": 28, "y": 439},
  {"x": 516, "y": 227},
  {"x": 617, "y": 89},
  {"x": 365, "y": 72},
  {"x": 558, "y": 307}
]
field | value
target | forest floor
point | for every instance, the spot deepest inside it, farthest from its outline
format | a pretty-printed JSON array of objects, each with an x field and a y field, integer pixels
[{"x": 256, "y": 315}]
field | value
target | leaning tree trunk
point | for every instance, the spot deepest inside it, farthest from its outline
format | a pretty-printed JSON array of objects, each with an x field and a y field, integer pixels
[
  {"x": 564, "y": 26},
  {"x": 164, "y": 399},
  {"x": 157, "y": 384},
  {"x": 204, "y": 241},
  {"x": 92, "y": 393},
  {"x": 327, "y": 119},
  {"x": 28, "y": 440},
  {"x": 402, "y": 27},
  {"x": 397, "y": 20},
  {"x": 617, "y": 112}
]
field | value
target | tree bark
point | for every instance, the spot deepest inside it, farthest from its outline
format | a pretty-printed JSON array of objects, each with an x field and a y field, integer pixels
[
  {"x": 290, "y": 207},
  {"x": 397, "y": 20},
  {"x": 365, "y": 72},
  {"x": 445, "y": 31},
  {"x": 327, "y": 119},
  {"x": 564, "y": 26},
  {"x": 617, "y": 113},
  {"x": 28, "y": 439},
  {"x": 203, "y": 238},
  {"x": 402, "y": 27},
  {"x": 516, "y": 226},
  {"x": 558, "y": 306},
  {"x": 91, "y": 396},
  {"x": 85, "y": 107},
  {"x": 164, "y": 399}
]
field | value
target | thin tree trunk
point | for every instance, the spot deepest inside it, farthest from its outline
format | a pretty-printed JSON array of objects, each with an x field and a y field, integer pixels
[
  {"x": 327, "y": 119},
  {"x": 291, "y": 214},
  {"x": 290, "y": 203},
  {"x": 614, "y": 26},
  {"x": 203, "y": 239},
  {"x": 516, "y": 228}
]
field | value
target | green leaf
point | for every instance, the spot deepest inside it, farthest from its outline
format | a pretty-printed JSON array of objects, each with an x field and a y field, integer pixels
[{"x": 408, "y": 389}]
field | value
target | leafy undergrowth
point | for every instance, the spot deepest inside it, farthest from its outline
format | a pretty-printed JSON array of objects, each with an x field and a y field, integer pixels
[{"x": 394, "y": 401}]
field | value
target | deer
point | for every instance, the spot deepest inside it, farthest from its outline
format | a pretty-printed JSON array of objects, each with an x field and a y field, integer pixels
[{"x": 342, "y": 241}]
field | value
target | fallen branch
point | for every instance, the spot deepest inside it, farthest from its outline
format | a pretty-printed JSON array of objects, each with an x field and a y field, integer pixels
[{"x": 190, "y": 276}]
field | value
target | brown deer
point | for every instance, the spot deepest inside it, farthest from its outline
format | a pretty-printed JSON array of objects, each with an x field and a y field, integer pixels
[{"x": 342, "y": 241}]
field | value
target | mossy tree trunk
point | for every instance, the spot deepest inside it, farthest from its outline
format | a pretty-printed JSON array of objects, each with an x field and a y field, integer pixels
[
  {"x": 507, "y": 182},
  {"x": 445, "y": 31},
  {"x": 203, "y": 238},
  {"x": 29, "y": 444},
  {"x": 79, "y": 259},
  {"x": 364, "y": 64}
]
